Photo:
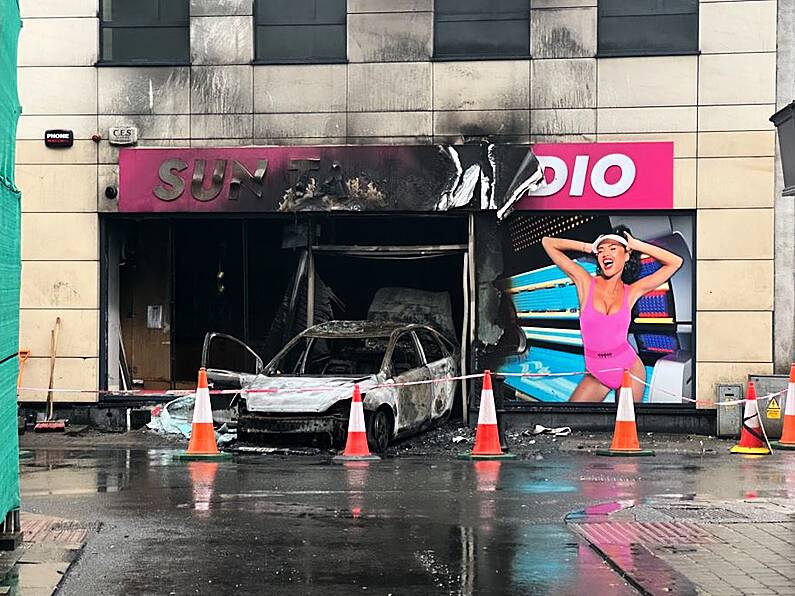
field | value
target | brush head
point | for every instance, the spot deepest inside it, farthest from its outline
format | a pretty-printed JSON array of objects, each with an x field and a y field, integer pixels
[{"x": 50, "y": 426}]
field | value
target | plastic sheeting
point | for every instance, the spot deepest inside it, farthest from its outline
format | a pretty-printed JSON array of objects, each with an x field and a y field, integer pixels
[
  {"x": 9, "y": 259},
  {"x": 176, "y": 417}
]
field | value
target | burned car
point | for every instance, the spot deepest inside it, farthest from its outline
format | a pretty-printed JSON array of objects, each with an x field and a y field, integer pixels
[{"x": 305, "y": 391}]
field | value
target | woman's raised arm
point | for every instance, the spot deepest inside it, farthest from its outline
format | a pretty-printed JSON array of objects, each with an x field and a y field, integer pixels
[
  {"x": 670, "y": 264},
  {"x": 555, "y": 248}
]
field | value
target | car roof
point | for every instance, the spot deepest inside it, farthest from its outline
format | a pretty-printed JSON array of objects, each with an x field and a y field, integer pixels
[{"x": 358, "y": 329}]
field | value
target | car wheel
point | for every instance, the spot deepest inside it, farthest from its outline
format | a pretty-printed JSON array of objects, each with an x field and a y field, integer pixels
[{"x": 379, "y": 430}]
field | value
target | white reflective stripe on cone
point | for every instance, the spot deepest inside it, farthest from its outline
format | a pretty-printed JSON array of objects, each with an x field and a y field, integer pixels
[
  {"x": 789, "y": 407},
  {"x": 626, "y": 410},
  {"x": 356, "y": 420},
  {"x": 751, "y": 414},
  {"x": 487, "y": 414},
  {"x": 202, "y": 411}
]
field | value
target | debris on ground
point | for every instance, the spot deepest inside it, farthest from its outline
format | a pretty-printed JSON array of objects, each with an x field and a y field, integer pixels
[
  {"x": 258, "y": 450},
  {"x": 453, "y": 438},
  {"x": 176, "y": 418},
  {"x": 537, "y": 441},
  {"x": 561, "y": 431},
  {"x": 76, "y": 429},
  {"x": 446, "y": 441}
]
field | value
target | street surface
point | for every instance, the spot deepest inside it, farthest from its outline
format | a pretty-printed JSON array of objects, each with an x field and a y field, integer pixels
[{"x": 293, "y": 524}]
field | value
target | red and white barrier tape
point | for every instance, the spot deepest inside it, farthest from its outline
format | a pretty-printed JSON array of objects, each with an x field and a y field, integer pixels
[
  {"x": 181, "y": 392},
  {"x": 733, "y": 402},
  {"x": 184, "y": 392}
]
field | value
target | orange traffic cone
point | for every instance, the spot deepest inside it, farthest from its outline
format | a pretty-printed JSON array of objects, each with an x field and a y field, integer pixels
[
  {"x": 356, "y": 448},
  {"x": 202, "y": 443},
  {"x": 788, "y": 433},
  {"x": 625, "y": 435},
  {"x": 751, "y": 439},
  {"x": 487, "y": 437}
]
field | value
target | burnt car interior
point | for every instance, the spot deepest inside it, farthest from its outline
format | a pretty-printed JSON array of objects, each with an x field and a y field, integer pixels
[
  {"x": 405, "y": 356},
  {"x": 351, "y": 357},
  {"x": 338, "y": 357}
]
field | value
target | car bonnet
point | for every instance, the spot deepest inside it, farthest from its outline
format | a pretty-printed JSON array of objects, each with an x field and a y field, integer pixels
[{"x": 285, "y": 394}]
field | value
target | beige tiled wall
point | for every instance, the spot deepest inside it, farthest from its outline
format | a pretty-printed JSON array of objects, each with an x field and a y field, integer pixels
[
  {"x": 58, "y": 88},
  {"x": 714, "y": 107}
]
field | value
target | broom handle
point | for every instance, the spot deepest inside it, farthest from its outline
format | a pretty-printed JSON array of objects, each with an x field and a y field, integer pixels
[{"x": 53, "y": 350}]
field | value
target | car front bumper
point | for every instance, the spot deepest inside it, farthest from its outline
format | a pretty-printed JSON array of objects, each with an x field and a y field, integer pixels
[{"x": 261, "y": 426}]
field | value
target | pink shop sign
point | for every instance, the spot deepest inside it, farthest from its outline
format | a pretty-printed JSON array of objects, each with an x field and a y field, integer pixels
[{"x": 604, "y": 176}]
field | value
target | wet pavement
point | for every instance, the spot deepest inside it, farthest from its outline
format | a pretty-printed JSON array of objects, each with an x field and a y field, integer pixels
[
  {"x": 677, "y": 544},
  {"x": 288, "y": 524},
  {"x": 51, "y": 544}
]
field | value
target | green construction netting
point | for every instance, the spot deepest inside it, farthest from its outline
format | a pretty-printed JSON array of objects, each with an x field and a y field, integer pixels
[{"x": 9, "y": 258}]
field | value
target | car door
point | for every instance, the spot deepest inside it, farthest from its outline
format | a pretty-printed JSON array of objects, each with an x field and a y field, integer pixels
[
  {"x": 413, "y": 402},
  {"x": 441, "y": 365}
]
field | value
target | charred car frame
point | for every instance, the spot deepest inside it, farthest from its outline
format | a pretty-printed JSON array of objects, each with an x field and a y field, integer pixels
[{"x": 403, "y": 371}]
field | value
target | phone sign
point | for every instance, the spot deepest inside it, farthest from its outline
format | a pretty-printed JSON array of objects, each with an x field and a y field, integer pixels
[{"x": 59, "y": 139}]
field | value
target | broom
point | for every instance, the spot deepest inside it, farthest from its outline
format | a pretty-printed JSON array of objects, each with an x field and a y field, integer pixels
[{"x": 50, "y": 425}]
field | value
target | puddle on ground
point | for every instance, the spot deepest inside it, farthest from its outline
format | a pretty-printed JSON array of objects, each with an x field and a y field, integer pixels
[{"x": 443, "y": 527}]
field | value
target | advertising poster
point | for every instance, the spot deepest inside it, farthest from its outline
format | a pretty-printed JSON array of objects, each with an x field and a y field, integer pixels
[{"x": 555, "y": 313}]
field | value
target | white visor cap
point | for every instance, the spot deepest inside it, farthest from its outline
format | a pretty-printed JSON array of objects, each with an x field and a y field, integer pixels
[{"x": 614, "y": 237}]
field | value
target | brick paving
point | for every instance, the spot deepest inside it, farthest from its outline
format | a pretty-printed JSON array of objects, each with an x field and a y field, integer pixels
[
  {"x": 50, "y": 546},
  {"x": 706, "y": 547}
]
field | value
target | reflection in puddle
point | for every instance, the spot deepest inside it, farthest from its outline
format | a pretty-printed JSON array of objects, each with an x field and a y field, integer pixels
[
  {"x": 356, "y": 478},
  {"x": 202, "y": 478},
  {"x": 550, "y": 560},
  {"x": 487, "y": 528},
  {"x": 487, "y": 476}
]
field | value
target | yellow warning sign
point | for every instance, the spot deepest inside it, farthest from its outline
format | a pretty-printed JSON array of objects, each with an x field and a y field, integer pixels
[{"x": 773, "y": 410}]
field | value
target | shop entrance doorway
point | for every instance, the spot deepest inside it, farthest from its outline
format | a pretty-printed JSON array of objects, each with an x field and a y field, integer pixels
[{"x": 167, "y": 282}]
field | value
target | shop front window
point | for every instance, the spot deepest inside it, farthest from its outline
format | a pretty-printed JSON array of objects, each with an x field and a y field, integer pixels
[
  {"x": 144, "y": 32},
  {"x": 300, "y": 31},
  {"x": 647, "y": 27}
]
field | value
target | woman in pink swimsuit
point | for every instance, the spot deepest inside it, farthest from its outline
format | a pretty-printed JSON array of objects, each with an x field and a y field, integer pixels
[{"x": 606, "y": 302}]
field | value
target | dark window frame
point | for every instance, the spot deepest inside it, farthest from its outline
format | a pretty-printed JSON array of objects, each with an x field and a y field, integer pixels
[
  {"x": 389, "y": 359},
  {"x": 480, "y": 56},
  {"x": 102, "y": 26},
  {"x": 313, "y": 60},
  {"x": 640, "y": 53},
  {"x": 433, "y": 340}
]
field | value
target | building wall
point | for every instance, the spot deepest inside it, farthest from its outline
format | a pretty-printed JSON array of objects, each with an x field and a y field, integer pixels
[
  {"x": 713, "y": 106},
  {"x": 784, "y": 315}
]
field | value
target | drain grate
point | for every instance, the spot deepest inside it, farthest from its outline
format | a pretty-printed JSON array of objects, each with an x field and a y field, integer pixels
[
  {"x": 54, "y": 530},
  {"x": 705, "y": 514},
  {"x": 647, "y": 533}
]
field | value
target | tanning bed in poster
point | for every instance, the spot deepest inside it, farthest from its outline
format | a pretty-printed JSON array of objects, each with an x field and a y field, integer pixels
[
  {"x": 549, "y": 360},
  {"x": 546, "y": 293}
]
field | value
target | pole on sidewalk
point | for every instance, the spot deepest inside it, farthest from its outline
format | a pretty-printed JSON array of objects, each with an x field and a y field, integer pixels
[
  {"x": 499, "y": 403},
  {"x": 11, "y": 531}
]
